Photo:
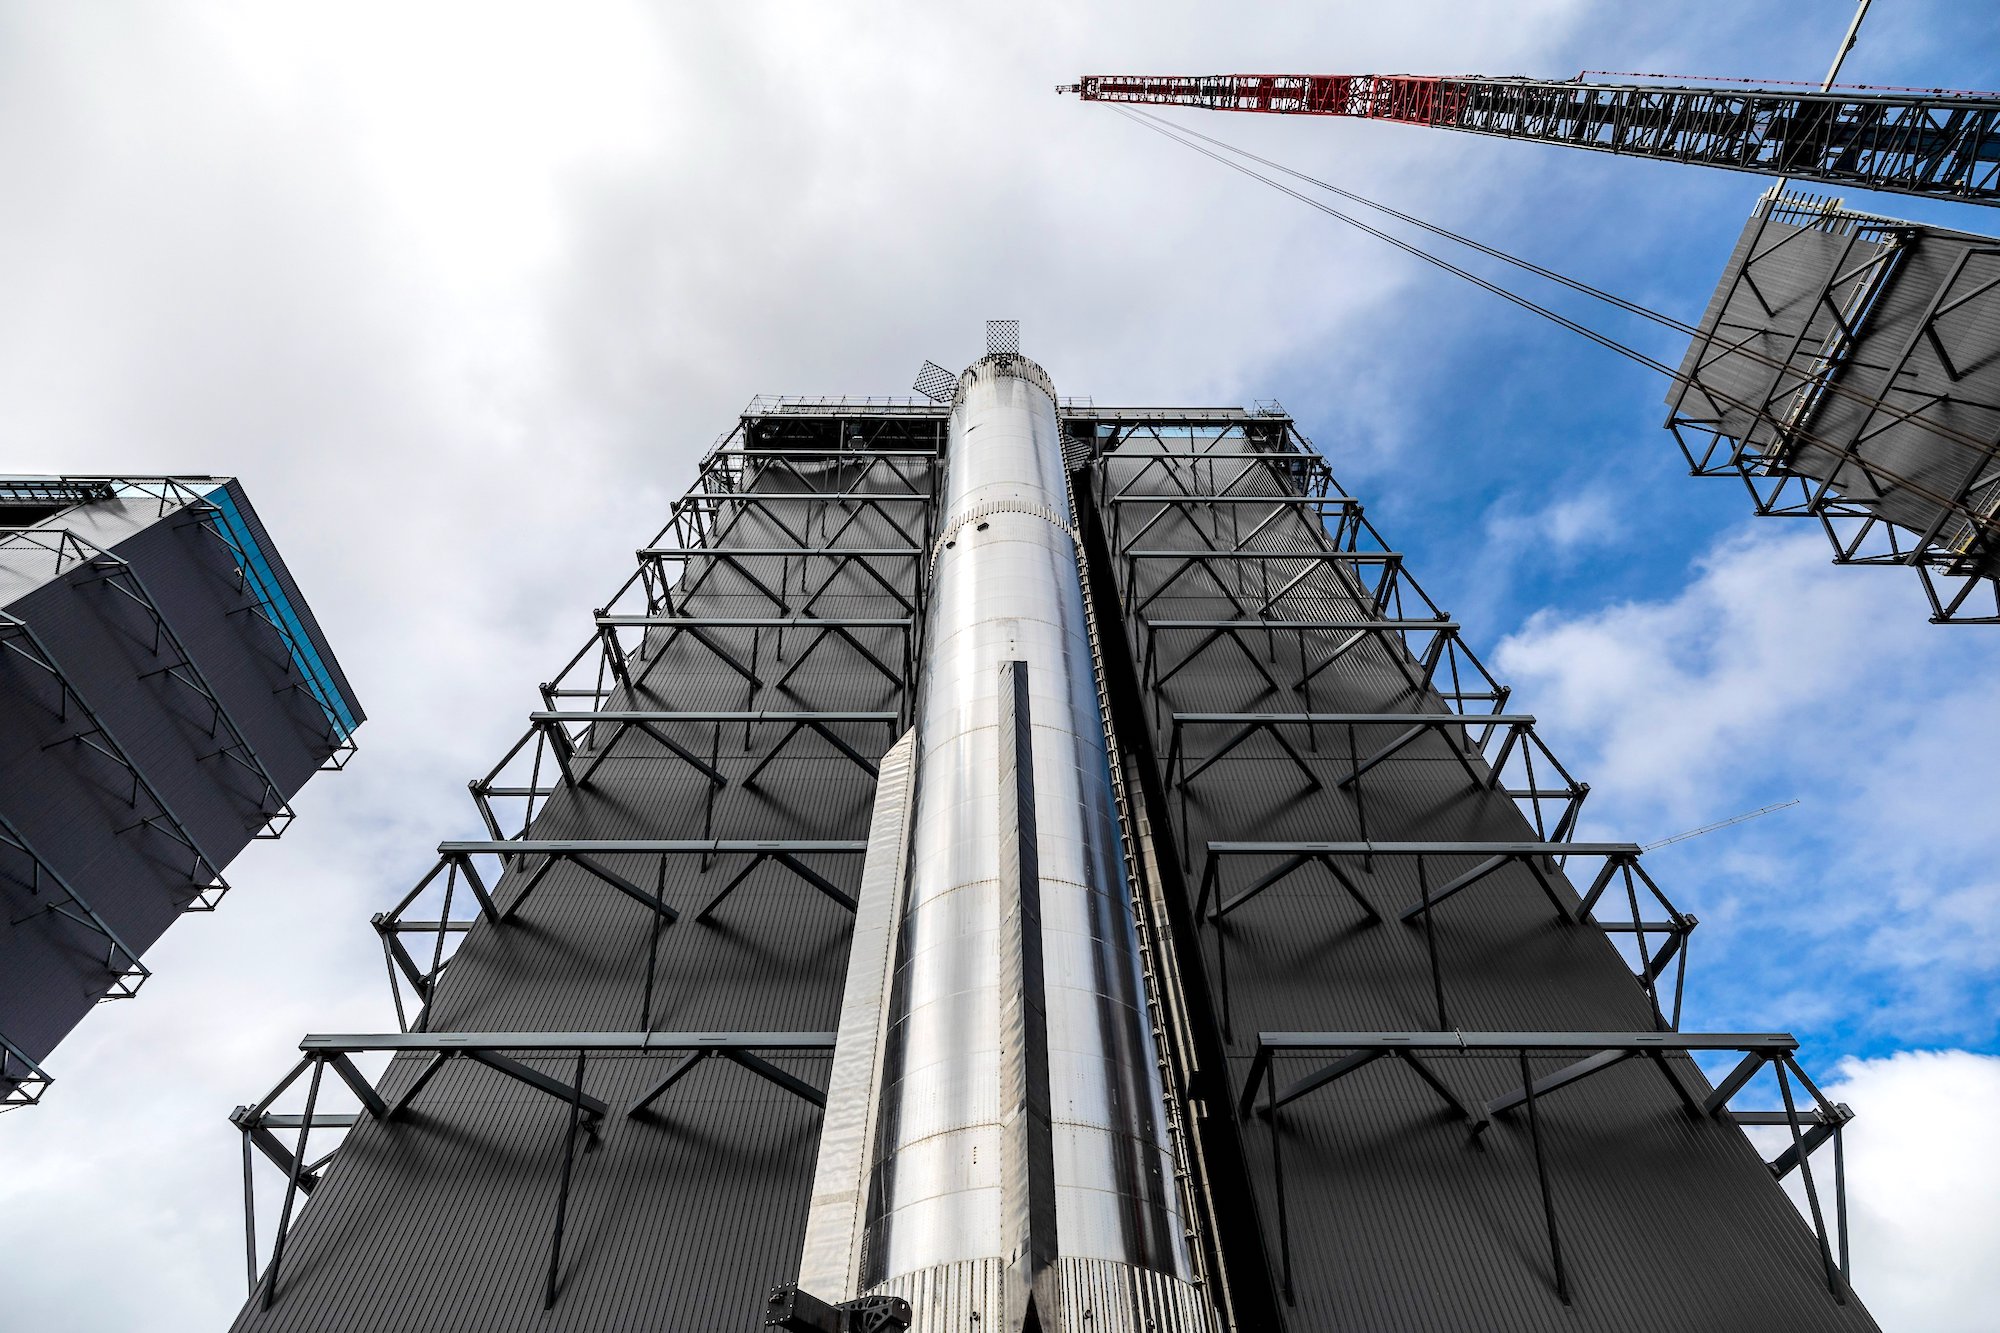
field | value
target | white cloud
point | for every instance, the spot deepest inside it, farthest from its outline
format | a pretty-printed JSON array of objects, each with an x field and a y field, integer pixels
[
  {"x": 1774, "y": 675},
  {"x": 1923, "y": 1196},
  {"x": 1577, "y": 520},
  {"x": 1764, "y": 646},
  {"x": 1582, "y": 521},
  {"x": 1869, "y": 913},
  {"x": 462, "y": 291},
  {"x": 1923, "y": 1187}
]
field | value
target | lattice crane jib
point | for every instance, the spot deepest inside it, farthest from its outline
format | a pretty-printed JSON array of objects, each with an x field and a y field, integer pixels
[{"x": 1943, "y": 145}]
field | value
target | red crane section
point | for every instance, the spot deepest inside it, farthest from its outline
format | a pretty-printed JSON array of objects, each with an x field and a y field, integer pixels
[
  {"x": 1943, "y": 145},
  {"x": 1413, "y": 98}
]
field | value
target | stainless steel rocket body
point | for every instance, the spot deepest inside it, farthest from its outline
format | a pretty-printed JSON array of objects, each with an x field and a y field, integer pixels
[{"x": 940, "y": 1196}]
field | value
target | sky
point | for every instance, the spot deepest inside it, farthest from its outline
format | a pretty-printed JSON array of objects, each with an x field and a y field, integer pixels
[{"x": 463, "y": 291}]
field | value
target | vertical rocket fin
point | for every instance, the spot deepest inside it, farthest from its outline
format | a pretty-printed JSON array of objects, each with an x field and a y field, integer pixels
[
  {"x": 1028, "y": 1185},
  {"x": 836, "y": 1224}
]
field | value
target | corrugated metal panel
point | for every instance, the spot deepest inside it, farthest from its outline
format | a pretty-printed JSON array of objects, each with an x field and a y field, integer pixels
[
  {"x": 682, "y": 1219},
  {"x": 75, "y": 806},
  {"x": 685, "y": 1217},
  {"x": 1398, "y": 1218},
  {"x": 1786, "y": 296}
]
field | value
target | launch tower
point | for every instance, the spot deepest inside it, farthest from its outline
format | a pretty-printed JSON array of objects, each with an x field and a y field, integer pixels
[{"x": 1003, "y": 863}]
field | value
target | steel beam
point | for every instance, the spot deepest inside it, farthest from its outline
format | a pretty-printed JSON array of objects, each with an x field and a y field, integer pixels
[
  {"x": 209, "y": 887},
  {"x": 656, "y": 846}
]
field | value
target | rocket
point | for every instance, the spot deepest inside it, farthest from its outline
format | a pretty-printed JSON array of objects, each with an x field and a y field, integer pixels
[{"x": 996, "y": 1149}]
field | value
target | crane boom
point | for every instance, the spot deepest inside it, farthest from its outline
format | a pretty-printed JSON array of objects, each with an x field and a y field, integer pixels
[
  {"x": 1719, "y": 824},
  {"x": 1936, "y": 144}
]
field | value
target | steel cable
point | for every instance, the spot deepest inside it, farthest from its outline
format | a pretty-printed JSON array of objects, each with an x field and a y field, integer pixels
[
  {"x": 1598, "y": 293},
  {"x": 1908, "y": 416},
  {"x": 1875, "y": 471}
]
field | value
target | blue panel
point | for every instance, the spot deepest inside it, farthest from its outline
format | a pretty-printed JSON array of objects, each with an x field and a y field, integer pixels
[{"x": 338, "y": 708}]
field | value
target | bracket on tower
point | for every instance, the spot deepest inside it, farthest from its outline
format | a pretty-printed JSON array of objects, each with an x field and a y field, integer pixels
[
  {"x": 533, "y": 859},
  {"x": 804, "y": 518},
  {"x": 1660, "y": 940},
  {"x": 86, "y": 563},
  {"x": 1424, "y": 652},
  {"x": 792, "y": 570},
  {"x": 1387, "y": 614},
  {"x": 802, "y": 1312},
  {"x": 1252, "y": 574},
  {"x": 671, "y": 573},
  {"x": 504, "y": 1053},
  {"x": 22, "y": 1081},
  {"x": 205, "y": 885},
  {"x": 1810, "y": 1126},
  {"x": 1521, "y": 766},
  {"x": 853, "y": 467},
  {"x": 53, "y": 895},
  {"x": 1292, "y": 472}
]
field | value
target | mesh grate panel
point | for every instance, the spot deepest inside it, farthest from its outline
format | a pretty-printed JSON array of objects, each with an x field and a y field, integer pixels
[{"x": 936, "y": 383}]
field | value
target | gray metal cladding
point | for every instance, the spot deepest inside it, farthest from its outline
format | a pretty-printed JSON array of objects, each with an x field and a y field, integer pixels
[
  {"x": 113, "y": 621},
  {"x": 684, "y": 1216},
  {"x": 1897, "y": 318},
  {"x": 442, "y": 1221},
  {"x": 1396, "y": 1216},
  {"x": 190, "y": 576}
]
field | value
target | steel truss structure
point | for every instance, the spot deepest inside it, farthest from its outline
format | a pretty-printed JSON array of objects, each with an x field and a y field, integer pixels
[
  {"x": 1261, "y": 607},
  {"x": 22, "y": 1081},
  {"x": 1844, "y": 374},
  {"x": 180, "y": 497},
  {"x": 68, "y": 552},
  {"x": 71, "y": 552},
  {"x": 1303, "y": 748},
  {"x": 734, "y": 655},
  {"x": 1809, "y": 1127},
  {"x": 54, "y": 895},
  {"x": 150, "y": 733},
  {"x": 455, "y": 863},
  {"x": 1933, "y": 143},
  {"x": 1660, "y": 941},
  {"x": 151, "y": 813},
  {"x": 504, "y": 1053}
]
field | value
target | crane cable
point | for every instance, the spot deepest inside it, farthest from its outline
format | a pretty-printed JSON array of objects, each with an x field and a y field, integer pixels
[
  {"x": 1912, "y": 416},
  {"x": 1597, "y": 293},
  {"x": 1176, "y": 132},
  {"x": 1601, "y": 339},
  {"x": 1873, "y": 469}
]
